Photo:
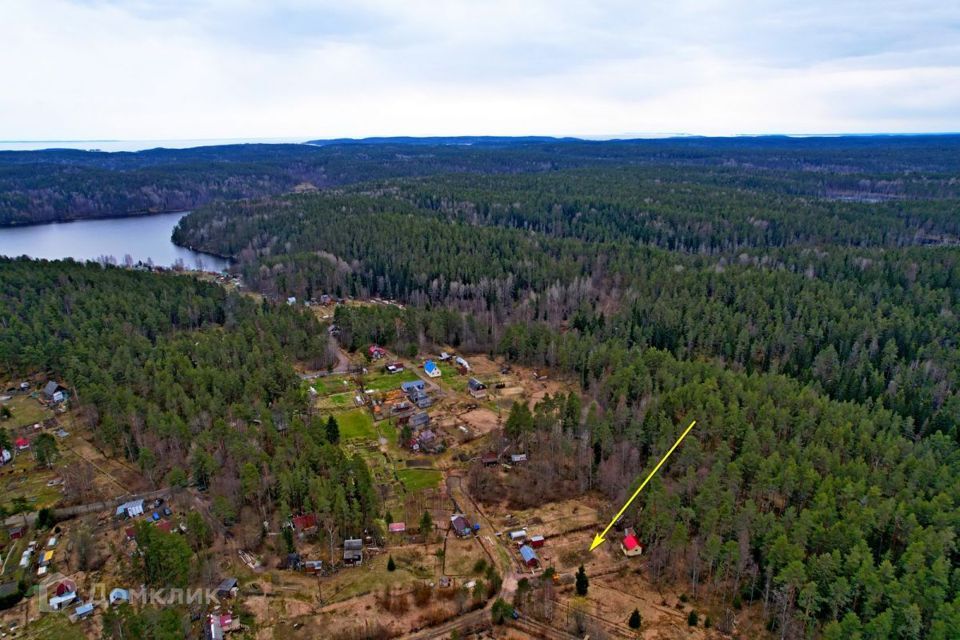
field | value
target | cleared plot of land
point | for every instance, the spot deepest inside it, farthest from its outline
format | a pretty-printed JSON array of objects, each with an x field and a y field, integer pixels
[
  {"x": 356, "y": 424},
  {"x": 419, "y": 479},
  {"x": 461, "y": 555},
  {"x": 386, "y": 381},
  {"x": 25, "y": 411}
]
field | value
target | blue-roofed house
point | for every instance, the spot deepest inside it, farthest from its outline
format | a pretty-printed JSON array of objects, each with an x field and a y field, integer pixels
[
  {"x": 118, "y": 596},
  {"x": 431, "y": 369},
  {"x": 529, "y": 556},
  {"x": 413, "y": 385}
]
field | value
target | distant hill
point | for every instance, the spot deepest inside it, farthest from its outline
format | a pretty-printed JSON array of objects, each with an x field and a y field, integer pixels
[{"x": 68, "y": 184}]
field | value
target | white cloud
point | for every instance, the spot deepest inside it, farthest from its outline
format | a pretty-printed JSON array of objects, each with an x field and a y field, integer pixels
[{"x": 212, "y": 68}]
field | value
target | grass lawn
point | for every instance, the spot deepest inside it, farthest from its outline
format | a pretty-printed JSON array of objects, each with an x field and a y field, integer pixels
[
  {"x": 385, "y": 381},
  {"x": 451, "y": 378},
  {"x": 329, "y": 384},
  {"x": 418, "y": 479},
  {"x": 26, "y": 411},
  {"x": 356, "y": 424},
  {"x": 390, "y": 431},
  {"x": 54, "y": 626}
]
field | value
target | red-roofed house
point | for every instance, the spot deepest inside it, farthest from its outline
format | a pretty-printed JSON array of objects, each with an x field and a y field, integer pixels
[
  {"x": 305, "y": 523},
  {"x": 377, "y": 352},
  {"x": 22, "y": 443},
  {"x": 397, "y": 527},
  {"x": 631, "y": 545}
]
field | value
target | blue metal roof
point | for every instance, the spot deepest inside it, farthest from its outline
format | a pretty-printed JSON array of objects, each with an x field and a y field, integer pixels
[
  {"x": 528, "y": 553},
  {"x": 429, "y": 366}
]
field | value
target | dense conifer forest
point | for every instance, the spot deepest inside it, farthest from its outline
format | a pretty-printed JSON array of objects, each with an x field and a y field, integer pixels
[
  {"x": 808, "y": 319},
  {"x": 192, "y": 383},
  {"x": 799, "y": 298}
]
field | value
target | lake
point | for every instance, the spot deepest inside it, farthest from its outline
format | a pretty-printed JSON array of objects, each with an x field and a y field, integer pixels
[{"x": 144, "y": 238}]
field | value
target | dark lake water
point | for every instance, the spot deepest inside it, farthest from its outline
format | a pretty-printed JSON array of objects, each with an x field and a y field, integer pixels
[{"x": 144, "y": 238}]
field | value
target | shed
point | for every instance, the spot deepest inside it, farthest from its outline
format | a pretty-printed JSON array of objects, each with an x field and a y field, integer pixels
[
  {"x": 631, "y": 545},
  {"x": 84, "y": 611},
  {"x": 213, "y": 629},
  {"x": 489, "y": 458},
  {"x": 17, "y": 532},
  {"x": 477, "y": 389},
  {"x": 377, "y": 352},
  {"x": 529, "y": 556},
  {"x": 431, "y": 369},
  {"x": 51, "y": 389},
  {"x": 395, "y": 367},
  {"x": 444, "y": 356},
  {"x": 421, "y": 419},
  {"x": 460, "y": 525},
  {"x": 397, "y": 527},
  {"x": 228, "y": 588},
  {"x": 537, "y": 541},
  {"x": 119, "y": 595},
  {"x": 131, "y": 509},
  {"x": 353, "y": 551},
  {"x": 22, "y": 444},
  {"x": 520, "y": 534},
  {"x": 462, "y": 363},
  {"x": 517, "y": 458}
]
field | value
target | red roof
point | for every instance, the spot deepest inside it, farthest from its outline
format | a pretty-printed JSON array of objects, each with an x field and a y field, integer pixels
[
  {"x": 164, "y": 525},
  {"x": 630, "y": 543},
  {"x": 131, "y": 533},
  {"x": 22, "y": 442},
  {"x": 306, "y": 521},
  {"x": 397, "y": 527}
]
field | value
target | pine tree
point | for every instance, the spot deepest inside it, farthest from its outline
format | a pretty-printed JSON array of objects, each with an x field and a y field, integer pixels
[
  {"x": 391, "y": 565},
  {"x": 333, "y": 430},
  {"x": 583, "y": 583},
  {"x": 634, "y": 621},
  {"x": 426, "y": 523}
]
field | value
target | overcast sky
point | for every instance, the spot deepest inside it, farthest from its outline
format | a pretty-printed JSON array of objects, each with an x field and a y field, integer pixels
[{"x": 133, "y": 69}]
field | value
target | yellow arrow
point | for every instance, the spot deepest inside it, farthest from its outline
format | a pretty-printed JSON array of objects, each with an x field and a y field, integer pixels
[{"x": 599, "y": 539}]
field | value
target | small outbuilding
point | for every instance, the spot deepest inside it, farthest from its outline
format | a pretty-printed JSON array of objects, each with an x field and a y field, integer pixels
[
  {"x": 228, "y": 588},
  {"x": 476, "y": 388},
  {"x": 631, "y": 545},
  {"x": 353, "y": 552},
  {"x": 131, "y": 509},
  {"x": 460, "y": 525},
  {"x": 119, "y": 596},
  {"x": 529, "y": 556},
  {"x": 537, "y": 541}
]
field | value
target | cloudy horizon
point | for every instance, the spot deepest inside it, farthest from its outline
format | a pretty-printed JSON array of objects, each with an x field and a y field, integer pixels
[{"x": 91, "y": 70}]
